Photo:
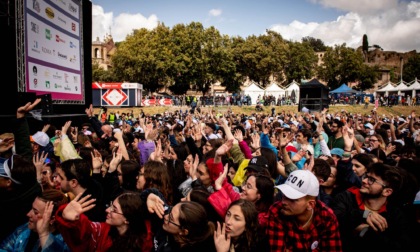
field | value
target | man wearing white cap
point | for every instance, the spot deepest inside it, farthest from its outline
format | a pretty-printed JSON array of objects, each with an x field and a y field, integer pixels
[{"x": 299, "y": 221}]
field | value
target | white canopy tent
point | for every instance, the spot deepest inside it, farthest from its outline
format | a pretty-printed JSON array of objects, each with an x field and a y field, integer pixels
[
  {"x": 293, "y": 89},
  {"x": 414, "y": 87},
  {"x": 389, "y": 87},
  {"x": 402, "y": 87},
  {"x": 274, "y": 90},
  {"x": 253, "y": 90}
]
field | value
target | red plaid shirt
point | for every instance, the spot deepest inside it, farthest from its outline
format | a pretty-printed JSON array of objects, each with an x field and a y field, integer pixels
[{"x": 322, "y": 235}]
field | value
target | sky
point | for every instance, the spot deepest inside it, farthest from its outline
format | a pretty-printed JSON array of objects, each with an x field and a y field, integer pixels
[{"x": 394, "y": 25}]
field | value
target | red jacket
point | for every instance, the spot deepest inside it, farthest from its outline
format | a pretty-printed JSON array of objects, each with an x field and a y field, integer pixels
[{"x": 85, "y": 235}]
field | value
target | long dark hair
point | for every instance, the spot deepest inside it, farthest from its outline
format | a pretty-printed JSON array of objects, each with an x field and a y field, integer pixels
[
  {"x": 129, "y": 169},
  {"x": 193, "y": 217},
  {"x": 135, "y": 236},
  {"x": 249, "y": 239},
  {"x": 157, "y": 176},
  {"x": 265, "y": 187}
]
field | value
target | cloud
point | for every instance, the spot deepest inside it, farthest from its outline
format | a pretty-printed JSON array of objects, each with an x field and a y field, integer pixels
[
  {"x": 359, "y": 6},
  {"x": 395, "y": 29},
  {"x": 215, "y": 12},
  {"x": 120, "y": 26}
]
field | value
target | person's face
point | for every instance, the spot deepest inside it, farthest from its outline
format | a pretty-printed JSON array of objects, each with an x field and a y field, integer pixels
[
  {"x": 141, "y": 181},
  {"x": 113, "y": 144},
  {"x": 171, "y": 220},
  {"x": 249, "y": 190},
  {"x": 208, "y": 130},
  {"x": 299, "y": 138},
  {"x": 207, "y": 147},
  {"x": 334, "y": 128},
  {"x": 115, "y": 216},
  {"x": 35, "y": 213},
  {"x": 135, "y": 144},
  {"x": 119, "y": 172},
  {"x": 188, "y": 163},
  {"x": 372, "y": 186},
  {"x": 235, "y": 221},
  {"x": 374, "y": 142},
  {"x": 331, "y": 179},
  {"x": 231, "y": 173},
  {"x": 203, "y": 175},
  {"x": 62, "y": 179},
  {"x": 358, "y": 167},
  {"x": 45, "y": 174},
  {"x": 293, "y": 207}
]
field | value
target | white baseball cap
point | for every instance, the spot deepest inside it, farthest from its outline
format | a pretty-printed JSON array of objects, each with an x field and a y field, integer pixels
[
  {"x": 40, "y": 138},
  {"x": 300, "y": 183}
]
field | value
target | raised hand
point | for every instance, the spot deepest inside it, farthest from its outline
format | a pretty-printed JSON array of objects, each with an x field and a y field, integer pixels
[
  {"x": 43, "y": 224},
  {"x": 77, "y": 206},
  {"x": 193, "y": 167},
  {"x": 116, "y": 160},
  {"x": 96, "y": 161},
  {"x": 221, "y": 240},
  {"x": 218, "y": 183},
  {"x": 255, "y": 144},
  {"x": 155, "y": 205},
  {"x": 22, "y": 111}
]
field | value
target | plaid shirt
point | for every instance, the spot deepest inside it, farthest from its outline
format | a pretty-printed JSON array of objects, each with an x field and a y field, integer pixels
[{"x": 322, "y": 235}]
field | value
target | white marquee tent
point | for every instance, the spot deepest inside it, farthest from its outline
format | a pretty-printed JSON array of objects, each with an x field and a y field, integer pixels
[
  {"x": 388, "y": 88},
  {"x": 414, "y": 86},
  {"x": 275, "y": 90},
  {"x": 253, "y": 90},
  {"x": 293, "y": 89},
  {"x": 402, "y": 87}
]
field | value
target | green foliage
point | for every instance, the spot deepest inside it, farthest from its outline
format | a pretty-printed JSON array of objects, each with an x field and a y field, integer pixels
[
  {"x": 365, "y": 43},
  {"x": 343, "y": 65},
  {"x": 316, "y": 44},
  {"x": 411, "y": 69},
  {"x": 302, "y": 62},
  {"x": 101, "y": 75}
]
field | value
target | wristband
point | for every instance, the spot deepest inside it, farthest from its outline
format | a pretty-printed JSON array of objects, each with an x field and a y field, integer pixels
[{"x": 366, "y": 213}]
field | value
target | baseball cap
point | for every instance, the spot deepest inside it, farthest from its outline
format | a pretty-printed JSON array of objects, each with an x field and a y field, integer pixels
[
  {"x": 300, "y": 183},
  {"x": 257, "y": 164},
  {"x": 337, "y": 151},
  {"x": 40, "y": 138},
  {"x": 6, "y": 166},
  {"x": 369, "y": 125}
]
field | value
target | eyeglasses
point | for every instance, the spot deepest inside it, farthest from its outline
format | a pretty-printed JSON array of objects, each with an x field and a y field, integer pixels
[
  {"x": 168, "y": 211},
  {"x": 372, "y": 180},
  {"x": 112, "y": 208}
]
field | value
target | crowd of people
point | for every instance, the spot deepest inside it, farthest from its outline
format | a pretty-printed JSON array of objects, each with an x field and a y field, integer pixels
[{"x": 205, "y": 181}]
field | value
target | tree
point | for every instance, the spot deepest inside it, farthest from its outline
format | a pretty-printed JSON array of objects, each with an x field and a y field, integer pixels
[
  {"x": 411, "y": 69},
  {"x": 101, "y": 75},
  {"x": 365, "y": 47},
  {"x": 343, "y": 65},
  {"x": 262, "y": 57},
  {"x": 302, "y": 61},
  {"x": 316, "y": 44}
]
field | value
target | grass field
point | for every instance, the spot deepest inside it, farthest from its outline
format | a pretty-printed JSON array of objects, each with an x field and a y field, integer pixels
[{"x": 354, "y": 109}]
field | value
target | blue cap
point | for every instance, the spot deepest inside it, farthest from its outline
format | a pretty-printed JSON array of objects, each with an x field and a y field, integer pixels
[{"x": 337, "y": 151}]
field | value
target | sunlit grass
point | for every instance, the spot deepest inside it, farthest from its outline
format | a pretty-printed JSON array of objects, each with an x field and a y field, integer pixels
[{"x": 354, "y": 109}]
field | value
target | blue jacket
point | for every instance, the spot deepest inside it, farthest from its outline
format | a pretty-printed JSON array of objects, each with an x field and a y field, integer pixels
[{"x": 17, "y": 241}]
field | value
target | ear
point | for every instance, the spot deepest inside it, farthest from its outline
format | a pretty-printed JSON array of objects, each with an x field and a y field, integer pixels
[
  {"x": 387, "y": 192},
  {"x": 73, "y": 183},
  {"x": 184, "y": 232},
  {"x": 311, "y": 204}
]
